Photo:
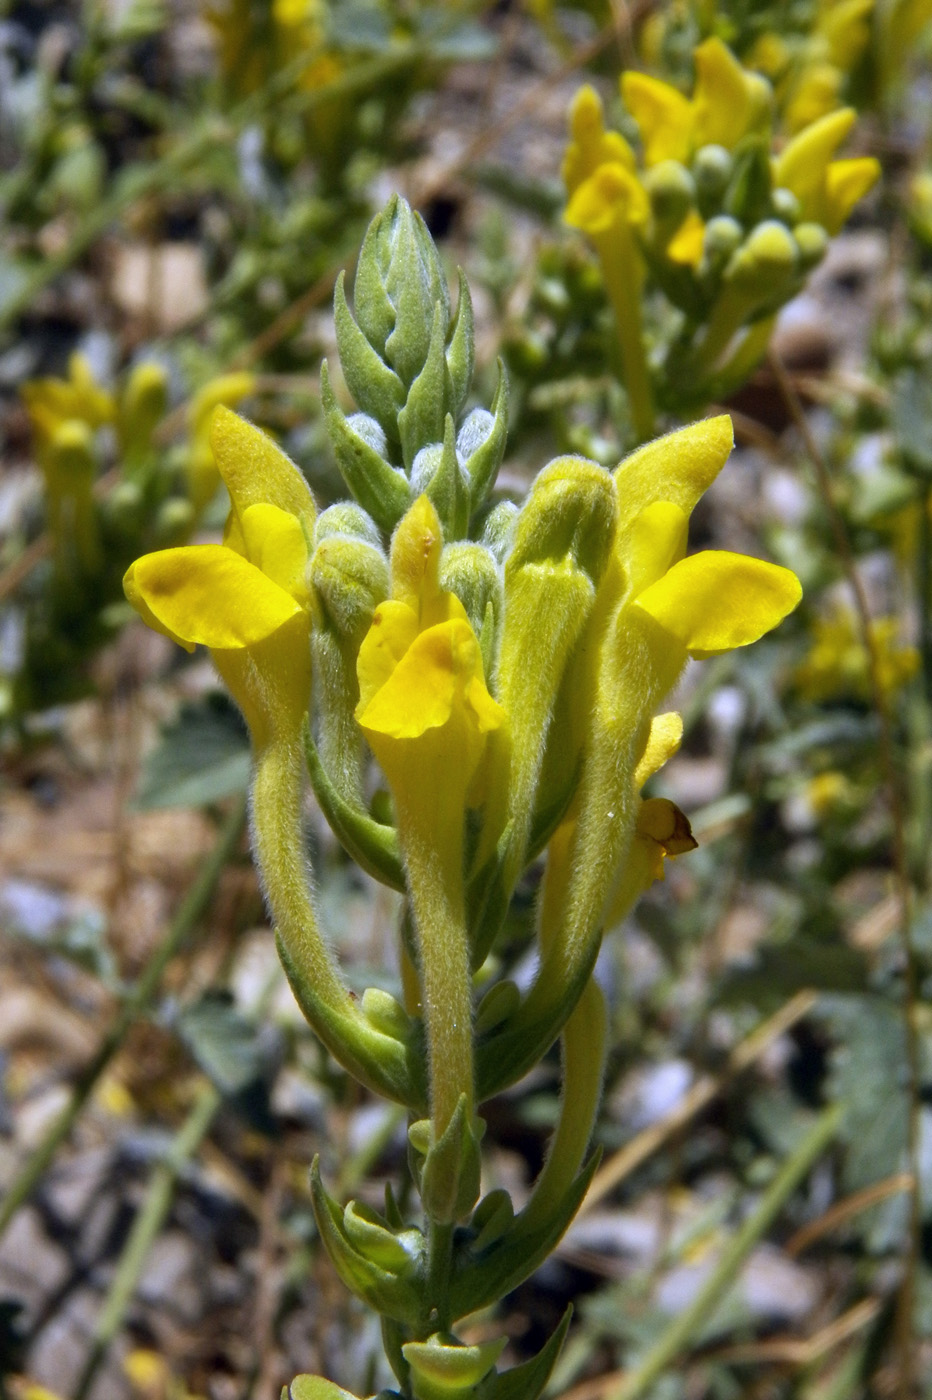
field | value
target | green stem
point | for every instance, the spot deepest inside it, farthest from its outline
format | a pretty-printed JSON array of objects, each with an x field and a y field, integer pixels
[
  {"x": 669, "y": 1347},
  {"x": 191, "y": 911},
  {"x": 379, "y": 1061},
  {"x": 146, "y": 1226},
  {"x": 436, "y": 886},
  {"x": 584, "y": 1043},
  {"x": 440, "y": 1260},
  {"x": 621, "y": 270}
]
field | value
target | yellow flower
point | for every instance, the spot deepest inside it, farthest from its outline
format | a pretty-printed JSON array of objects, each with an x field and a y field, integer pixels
[
  {"x": 838, "y": 664},
  {"x": 600, "y": 171},
  {"x": 228, "y": 390},
  {"x": 827, "y": 189},
  {"x": 246, "y": 599},
  {"x": 424, "y": 706},
  {"x": 727, "y": 103},
  {"x": 79, "y": 398}
]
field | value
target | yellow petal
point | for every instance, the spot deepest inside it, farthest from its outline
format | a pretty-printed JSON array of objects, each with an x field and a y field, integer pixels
[
  {"x": 591, "y": 145},
  {"x": 276, "y": 544},
  {"x": 686, "y": 245},
  {"x": 657, "y": 540},
  {"x": 677, "y": 468},
  {"x": 846, "y": 182},
  {"x": 255, "y": 469},
  {"x": 415, "y": 556},
  {"x": 664, "y": 117},
  {"x": 437, "y": 675},
  {"x": 714, "y": 601},
  {"x": 728, "y": 101},
  {"x": 394, "y": 628},
  {"x": 609, "y": 197},
  {"x": 663, "y": 741},
  {"x": 802, "y": 165},
  {"x": 207, "y": 593}
]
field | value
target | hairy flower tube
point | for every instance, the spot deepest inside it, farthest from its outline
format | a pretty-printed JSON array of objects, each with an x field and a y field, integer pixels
[{"x": 706, "y": 213}]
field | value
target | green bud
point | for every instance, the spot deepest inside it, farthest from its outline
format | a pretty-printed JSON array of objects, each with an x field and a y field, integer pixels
[
  {"x": 672, "y": 192},
  {"x": 142, "y": 407},
  {"x": 122, "y": 509},
  {"x": 766, "y": 263},
  {"x": 174, "y": 522},
  {"x": 345, "y": 518},
  {"x": 421, "y": 420},
  {"x": 393, "y": 1293},
  {"x": 785, "y": 206},
  {"x": 359, "y": 447},
  {"x": 472, "y": 573},
  {"x": 481, "y": 443},
  {"x": 69, "y": 465},
  {"x": 722, "y": 236},
  {"x": 399, "y": 283},
  {"x": 374, "y": 385},
  {"x": 498, "y": 531},
  {"x": 442, "y": 1368},
  {"x": 812, "y": 242},
  {"x": 400, "y": 1251},
  {"x": 350, "y": 578},
  {"x": 437, "y": 474},
  {"x": 314, "y": 1388},
  {"x": 712, "y": 169},
  {"x": 568, "y": 515},
  {"x": 748, "y": 195},
  {"x": 386, "y": 1013}
]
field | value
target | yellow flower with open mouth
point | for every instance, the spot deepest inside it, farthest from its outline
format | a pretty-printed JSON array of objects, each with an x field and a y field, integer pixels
[
  {"x": 827, "y": 189},
  {"x": 424, "y": 705},
  {"x": 728, "y": 101},
  {"x": 247, "y": 598},
  {"x": 427, "y": 713}
]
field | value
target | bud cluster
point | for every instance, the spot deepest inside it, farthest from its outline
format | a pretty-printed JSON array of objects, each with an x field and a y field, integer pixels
[{"x": 704, "y": 211}]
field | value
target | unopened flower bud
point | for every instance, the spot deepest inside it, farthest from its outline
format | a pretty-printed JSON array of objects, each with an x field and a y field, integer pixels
[
  {"x": 570, "y": 511},
  {"x": 812, "y": 242},
  {"x": 346, "y": 518},
  {"x": 498, "y": 531},
  {"x": 438, "y": 474},
  {"x": 471, "y": 572},
  {"x": 712, "y": 169},
  {"x": 399, "y": 281},
  {"x": 441, "y": 1368},
  {"x": 785, "y": 205},
  {"x": 722, "y": 236},
  {"x": 766, "y": 262},
  {"x": 672, "y": 192},
  {"x": 175, "y": 521},
  {"x": 142, "y": 407}
]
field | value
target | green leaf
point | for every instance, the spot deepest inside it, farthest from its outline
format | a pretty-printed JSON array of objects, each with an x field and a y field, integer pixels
[
  {"x": 203, "y": 756},
  {"x": 224, "y": 1044}
]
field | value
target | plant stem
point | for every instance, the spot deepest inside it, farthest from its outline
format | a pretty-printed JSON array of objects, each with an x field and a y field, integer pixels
[
  {"x": 723, "y": 1277},
  {"x": 621, "y": 270},
  {"x": 146, "y": 1226},
  {"x": 191, "y": 911}
]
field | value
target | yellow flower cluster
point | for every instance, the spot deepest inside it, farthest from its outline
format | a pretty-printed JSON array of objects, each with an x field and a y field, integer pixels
[
  {"x": 837, "y": 665},
  {"x": 723, "y": 225}
]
